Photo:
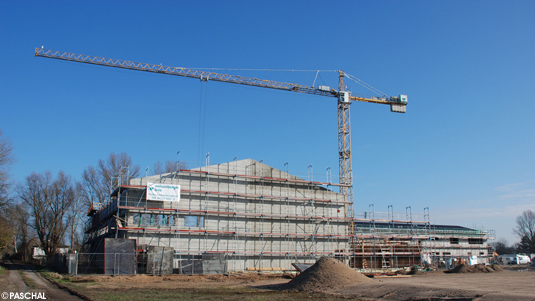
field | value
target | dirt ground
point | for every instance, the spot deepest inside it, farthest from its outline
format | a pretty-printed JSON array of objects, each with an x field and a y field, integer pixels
[
  {"x": 506, "y": 285},
  {"x": 514, "y": 283},
  {"x": 21, "y": 279}
]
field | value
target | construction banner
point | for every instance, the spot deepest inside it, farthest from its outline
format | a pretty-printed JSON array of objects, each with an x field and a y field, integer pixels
[{"x": 163, "y": 192}]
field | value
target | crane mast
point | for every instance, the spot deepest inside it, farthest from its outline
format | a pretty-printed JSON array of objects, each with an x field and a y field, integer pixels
[
  {"x": 344, "y": 147},
  {"x": 397, "y": 104}
]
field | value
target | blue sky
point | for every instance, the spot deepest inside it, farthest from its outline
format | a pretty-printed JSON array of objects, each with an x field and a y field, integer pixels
[{"x": 464, "y": 148}]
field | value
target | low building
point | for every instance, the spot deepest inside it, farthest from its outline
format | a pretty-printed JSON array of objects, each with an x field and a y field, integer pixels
[
  {"x": 403, "y": 243},
  {"x": 38, "y": 253}
]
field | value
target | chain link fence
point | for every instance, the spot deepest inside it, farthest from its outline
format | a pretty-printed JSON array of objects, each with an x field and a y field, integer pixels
[{"x": 157, "y": 261}]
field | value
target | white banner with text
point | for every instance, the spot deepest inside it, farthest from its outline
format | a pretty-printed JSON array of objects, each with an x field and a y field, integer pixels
[{"x": 163, "y": 192}]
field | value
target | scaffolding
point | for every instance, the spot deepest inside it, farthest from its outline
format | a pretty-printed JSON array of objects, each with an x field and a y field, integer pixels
[
  {"x": 260, "y": 217},
  {"x": 264, "y": 219},
  {"x": 386, "y": 242}
]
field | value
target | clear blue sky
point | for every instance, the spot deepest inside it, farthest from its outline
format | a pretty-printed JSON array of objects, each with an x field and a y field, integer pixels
[{"x": 464, "y": 148}]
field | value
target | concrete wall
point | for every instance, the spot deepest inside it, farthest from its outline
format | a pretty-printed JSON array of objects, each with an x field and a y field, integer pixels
[{"x": 160, "y": 260}]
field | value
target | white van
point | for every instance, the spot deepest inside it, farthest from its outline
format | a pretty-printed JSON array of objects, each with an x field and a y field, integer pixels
[
  {"x": 522, "y": 259},
  {"x": 513, "y": 259}
]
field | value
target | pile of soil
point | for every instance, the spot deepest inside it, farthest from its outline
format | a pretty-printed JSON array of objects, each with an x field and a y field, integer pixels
[
  {"x": 326, "y": 273},
  {"x": 477, "y": 268}
]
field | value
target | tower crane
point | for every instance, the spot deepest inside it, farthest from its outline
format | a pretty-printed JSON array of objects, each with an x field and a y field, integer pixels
[{"x": 397, "y": 103}]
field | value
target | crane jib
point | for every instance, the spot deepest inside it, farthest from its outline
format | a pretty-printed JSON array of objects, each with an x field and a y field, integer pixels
[
  {"x": 177, "y": 71},
  {"x": 206, "y": 75}
]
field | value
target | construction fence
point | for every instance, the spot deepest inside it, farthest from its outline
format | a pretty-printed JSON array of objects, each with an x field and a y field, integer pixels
[{"x": 160, "y": 262}]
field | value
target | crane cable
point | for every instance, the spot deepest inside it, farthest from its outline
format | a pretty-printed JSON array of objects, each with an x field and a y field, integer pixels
[
  {"x": 365, "y": 85},
  {"x": 351, "y": 77}
]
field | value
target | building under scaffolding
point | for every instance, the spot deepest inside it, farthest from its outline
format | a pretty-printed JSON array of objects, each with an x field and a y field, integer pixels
[
  {"x": 398, "y": 244},
  {"x": 255, "y": 216},
  {"x": 245, "y": 215}
]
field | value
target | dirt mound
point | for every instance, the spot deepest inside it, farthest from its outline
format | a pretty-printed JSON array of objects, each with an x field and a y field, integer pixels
[
  {"x": 326, "y": 273},
  {"x": 477, "y": 268}
]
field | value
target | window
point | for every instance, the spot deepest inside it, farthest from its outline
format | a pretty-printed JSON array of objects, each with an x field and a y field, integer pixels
[
  {"x": 454, "y": 240},
  {"x": 136, "y": 218},
  {"x": 446, "y": 254},
  {"x": 194, "y": 221},
  {"x": 141, "y": 219},
  {"x": 475, "y": 241},
  {"x": 145, "y": 220},
  {"x": 481, "y": 253},
  {"x": 162, "y": 220}
]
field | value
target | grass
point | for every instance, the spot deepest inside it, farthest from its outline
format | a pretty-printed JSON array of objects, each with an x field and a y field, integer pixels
[
  {"x": 99, "y": 291},
  {"x": 29, "y": 282},
  {"x": 2, "y": 270},
  {"x": 216, "y": 293},
  {"x": 46, "y": 274}
]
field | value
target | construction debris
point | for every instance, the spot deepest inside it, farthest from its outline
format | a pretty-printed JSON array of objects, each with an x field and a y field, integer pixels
[
  {"x": 478, "y": 268},
  {"x": 301, "y": 267}
]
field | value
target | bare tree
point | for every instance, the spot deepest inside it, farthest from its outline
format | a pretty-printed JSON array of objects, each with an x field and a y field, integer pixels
[
  {"x": 169, "y": 166},
  {"x": 7, "y": 230},
  {"x": 6, "y": 159},
  {"x": 501, "y": 246},
  {"x": 24, "y": 234},
  {"x": 525, "y": 229},
  {"x": 14, "y": 233},
  {"x": 75, "y": 214},
  {"x": 161, "y": 168},
  {"x": 100, "y": 181},
  {"x": 48, "y": 200}
]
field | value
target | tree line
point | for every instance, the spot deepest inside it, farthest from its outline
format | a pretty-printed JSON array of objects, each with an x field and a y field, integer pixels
[
  {"x": 525, "y": 230},
  {"x": 48, "y": 211}
]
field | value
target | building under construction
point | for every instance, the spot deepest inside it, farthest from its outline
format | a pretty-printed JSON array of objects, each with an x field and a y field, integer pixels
[
  {"x": 255, "y": 216},
  {"x": 245, "y": 215},
  {"x": 394, "y": 244}
]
